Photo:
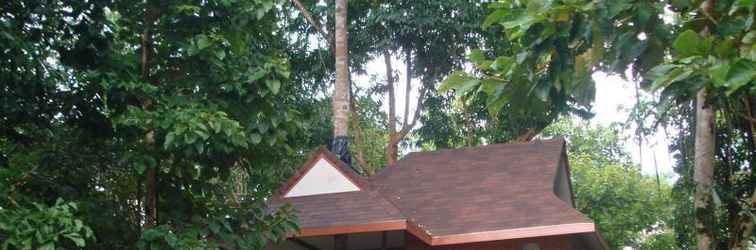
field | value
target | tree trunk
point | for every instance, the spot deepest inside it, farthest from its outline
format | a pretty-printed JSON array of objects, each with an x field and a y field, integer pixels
[
  {"x": 391, "y": 148},
  {"x": 704, "y": 168},
  {"x": 746, "y": 225},
  {"x": 340, "y": 97},
  {"x": 150, "y": 15},
  {"x": 408, "y": 86}
]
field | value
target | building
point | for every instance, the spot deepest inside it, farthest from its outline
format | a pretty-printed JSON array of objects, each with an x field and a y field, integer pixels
[{"x": 501, "y": 196}]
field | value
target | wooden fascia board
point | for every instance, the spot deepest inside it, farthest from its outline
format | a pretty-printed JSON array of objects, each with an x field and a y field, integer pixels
[{"x": 516, "y": 233}]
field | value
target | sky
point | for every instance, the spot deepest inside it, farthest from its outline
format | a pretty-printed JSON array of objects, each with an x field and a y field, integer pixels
[{"x": 614, "y": 97}]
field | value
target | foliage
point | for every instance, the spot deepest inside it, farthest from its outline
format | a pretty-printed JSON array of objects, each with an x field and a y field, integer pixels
[
  {"x": 677, "y": 47},
  {"x": 733, "y": 182},
  {"x": 225, "y": 231},
  {"x": 373, "y": 133},
  {"x": 609, "y": 189},
  {"x": 96, "y": 94},
  {"x": 661, "y": 241},
  {"x": 538, "y": 74},
  {"x": 43, "y": 227}
]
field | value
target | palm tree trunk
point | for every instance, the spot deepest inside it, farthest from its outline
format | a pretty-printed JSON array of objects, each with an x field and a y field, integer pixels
[
  {"x": 703, "y": 172},
  {"x": 341, "y": 88}
]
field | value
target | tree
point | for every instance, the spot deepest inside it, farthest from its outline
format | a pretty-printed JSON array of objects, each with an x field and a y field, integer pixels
[
  {"x": 630, "y": 208},
  {"x": 140, "y": 114},
  {"x": 430, "y": 36},
  {"x": 556, "y": 45}
]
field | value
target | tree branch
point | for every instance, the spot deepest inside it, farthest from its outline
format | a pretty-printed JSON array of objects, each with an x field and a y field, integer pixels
[
  {"x": 408, "y": 87},
  {"x": 308, "y": 16},
  {"x": 407, "y": 127},
  {"x": 390, "y": 90}
]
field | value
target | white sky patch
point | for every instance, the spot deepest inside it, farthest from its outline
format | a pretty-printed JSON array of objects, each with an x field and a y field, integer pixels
[{"x": 614, "y": 99}]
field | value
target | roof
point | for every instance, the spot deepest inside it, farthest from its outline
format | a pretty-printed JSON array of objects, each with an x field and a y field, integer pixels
[
  {"x": 493, "y": 192},
  {"x": 499, "y": 190},
  {"x": 360, "y": 211}
]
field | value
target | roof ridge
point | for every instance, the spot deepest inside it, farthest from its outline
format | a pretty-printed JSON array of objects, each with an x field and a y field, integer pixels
[
  {"x": 387, "y": 168},
  {"x": 533, "y": 142}
]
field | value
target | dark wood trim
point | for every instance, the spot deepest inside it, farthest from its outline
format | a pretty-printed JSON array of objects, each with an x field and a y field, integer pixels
[
  {"x": 303, "y": 244},
  {"x": 384, "y": 240},
  {"x": 418, "y": 232},
  {"x": 340, "y": 241}
]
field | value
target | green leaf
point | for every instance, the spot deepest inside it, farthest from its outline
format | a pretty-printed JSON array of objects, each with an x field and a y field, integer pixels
[
  {"x": 140, "y": 168},
  {"x": 666, "y": 74},
  {"x": 273, "y": 85},
  {"x": 477, "y": 57},
  {"x": 494, "y": 17},
  {"x": 76, "y": 238},
  {"x": 519, "y": 25},
  {"x": 741, "y": 73},
  {"x": 151, "y": 234},
  {"x": 220, "y": 54},
  {"x": 255, "y": 138},
  {"x": 202, "y": 42},
  {"x": 46, "y": 246},
  {"x": 689, "y": 43},
  {"x": 169, "y": 140},
  {"x": 718, "y": 74},
  {"x": 172, "y": 240},
  {"x": 503, "y": 64},
  {"x": 453, "y": 81}
]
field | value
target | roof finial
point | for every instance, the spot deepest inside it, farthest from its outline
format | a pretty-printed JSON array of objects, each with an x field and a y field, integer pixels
[{"x": 340, "y": 147}]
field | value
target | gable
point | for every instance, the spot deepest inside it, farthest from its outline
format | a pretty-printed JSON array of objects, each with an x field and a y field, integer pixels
[{"x": 322, "y": 178}]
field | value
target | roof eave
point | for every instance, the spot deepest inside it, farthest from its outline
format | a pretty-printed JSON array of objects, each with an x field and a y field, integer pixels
[{"x": 508, "y": 234}]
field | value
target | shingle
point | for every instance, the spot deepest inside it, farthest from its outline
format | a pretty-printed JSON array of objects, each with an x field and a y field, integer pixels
[
  {"x": 479, "y": 189},
  {"x": 453, "y": 192},
  {"x": 337, "y": 209}
]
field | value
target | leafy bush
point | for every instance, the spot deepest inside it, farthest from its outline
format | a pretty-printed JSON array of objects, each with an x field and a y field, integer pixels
[{"x": 43, "y": 227}]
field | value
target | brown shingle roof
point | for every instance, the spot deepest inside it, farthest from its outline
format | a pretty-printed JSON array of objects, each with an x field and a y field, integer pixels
[
  {"x": 491, "y": 192},
  {"x": 482, "y": 189},
  {"x": 366, "y": 209}
]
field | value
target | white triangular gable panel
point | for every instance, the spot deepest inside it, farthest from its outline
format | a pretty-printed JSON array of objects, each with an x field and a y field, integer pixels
[{"x": 322, "y": 178}]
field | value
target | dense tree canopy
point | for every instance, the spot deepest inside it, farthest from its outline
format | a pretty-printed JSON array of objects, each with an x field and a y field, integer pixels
[{"x": 140, "y": 113}]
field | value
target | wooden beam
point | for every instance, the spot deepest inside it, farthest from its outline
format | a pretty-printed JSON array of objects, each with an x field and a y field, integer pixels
[
  {"x": 304, "y": 244},
  {"x": 384, "y": 240},
  {"x": 340, "y": 242}
]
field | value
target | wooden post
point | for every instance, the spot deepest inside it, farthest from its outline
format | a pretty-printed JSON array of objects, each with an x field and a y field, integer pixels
[
  {"x": 384, "y": 240},
  {"x": 340, "y": 242}
]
